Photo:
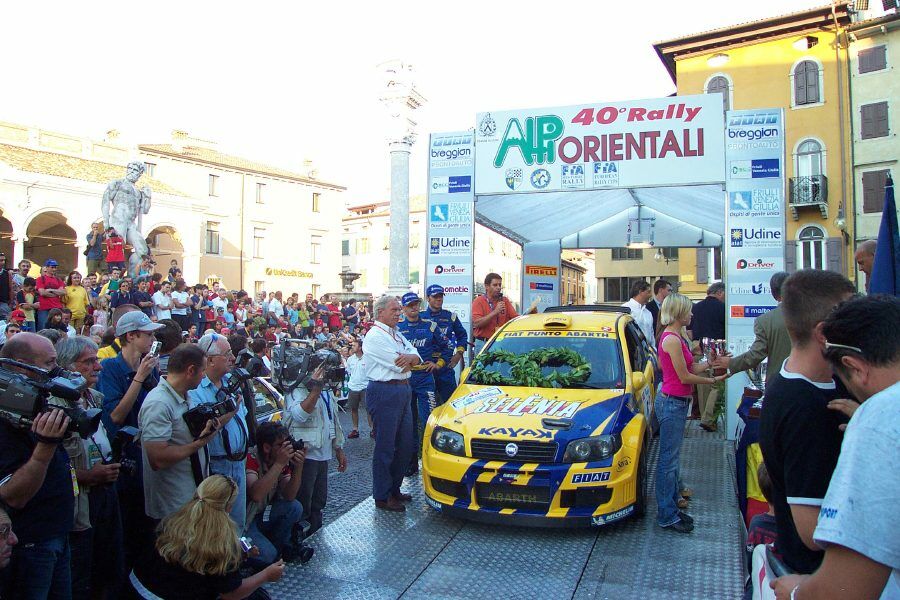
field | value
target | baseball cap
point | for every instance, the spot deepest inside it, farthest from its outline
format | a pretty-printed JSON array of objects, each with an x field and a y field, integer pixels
[
  {"x": 135, "y": 321},
  {"x": 409, "y": 298},
  {"x": 17, "y": 315},
  {"x": 435, "y": 290},
  {"x": 51, "y": 263}
]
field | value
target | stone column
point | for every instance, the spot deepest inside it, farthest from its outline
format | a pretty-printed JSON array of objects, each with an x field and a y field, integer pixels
[
  {"x": 401, "y": 99},
  {"x": 398, "y": 268}
]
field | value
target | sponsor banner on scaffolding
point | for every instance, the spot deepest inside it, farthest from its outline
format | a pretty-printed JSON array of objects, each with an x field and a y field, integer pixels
[
  {"x": 655, "y": 142},
  {"x": 451, "y": 220},
  {"x": 540, "y": 274},
  {"x": 754, "y": 225}
]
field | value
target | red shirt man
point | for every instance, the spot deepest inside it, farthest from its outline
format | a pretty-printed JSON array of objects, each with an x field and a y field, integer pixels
[
  {"x": 115, "y": 248},
  {"x": 491, "y": 310},
  {"x": 334, "y": 316},
  {"x": 50, "y": 289}
]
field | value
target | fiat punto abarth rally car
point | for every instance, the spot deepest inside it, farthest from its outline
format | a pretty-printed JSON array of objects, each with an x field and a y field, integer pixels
[{"x": 549, "y": 426}]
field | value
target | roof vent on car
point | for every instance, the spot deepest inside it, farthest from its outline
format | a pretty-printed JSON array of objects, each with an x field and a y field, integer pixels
[{"x": 557, "y": 321}]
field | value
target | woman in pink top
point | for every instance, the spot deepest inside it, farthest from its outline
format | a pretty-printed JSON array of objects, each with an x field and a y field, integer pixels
[{"x": 680, "y": 375}]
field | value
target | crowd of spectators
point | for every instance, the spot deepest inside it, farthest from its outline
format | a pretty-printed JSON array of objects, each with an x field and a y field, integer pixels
[{"x": 142, "y": 505}]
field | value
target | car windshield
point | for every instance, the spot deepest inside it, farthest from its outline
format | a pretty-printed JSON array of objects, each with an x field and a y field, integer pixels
[{"x": 599, "y": 356}]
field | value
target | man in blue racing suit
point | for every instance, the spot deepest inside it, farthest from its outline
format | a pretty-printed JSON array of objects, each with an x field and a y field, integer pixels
[
  {"x": 429, "y": 343},
  {"x": 453, "y": 331}
]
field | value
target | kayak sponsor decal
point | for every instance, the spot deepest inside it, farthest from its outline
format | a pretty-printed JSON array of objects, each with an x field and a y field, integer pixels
[
  {"x": 470, "y": 399},
  {"x": 614, "y": 516},
  {"x": 532, "y": 405},
  {"x": 592, "y": 477},
  {"x": 516, "y": 432},
  {"x": 591, "y": 334}
]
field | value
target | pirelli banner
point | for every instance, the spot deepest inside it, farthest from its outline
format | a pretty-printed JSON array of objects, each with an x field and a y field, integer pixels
[
  {"x": 540, "y": 275},
  {"x": 640, "y": 143}
]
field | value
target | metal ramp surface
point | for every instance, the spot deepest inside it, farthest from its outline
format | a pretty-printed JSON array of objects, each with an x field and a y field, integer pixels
[{"x": 368, "y": 553}]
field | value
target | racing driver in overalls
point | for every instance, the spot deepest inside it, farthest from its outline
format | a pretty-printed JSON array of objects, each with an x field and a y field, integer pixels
[{"x": 454, "y": 333}]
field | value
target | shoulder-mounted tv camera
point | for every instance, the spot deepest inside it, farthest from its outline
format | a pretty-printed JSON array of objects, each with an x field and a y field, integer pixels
[
  {"x": 294, "y": 361},
  {"x": 22, "y": 398}
]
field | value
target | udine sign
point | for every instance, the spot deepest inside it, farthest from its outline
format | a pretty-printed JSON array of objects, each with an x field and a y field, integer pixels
[{"x": 657, "y": 142}]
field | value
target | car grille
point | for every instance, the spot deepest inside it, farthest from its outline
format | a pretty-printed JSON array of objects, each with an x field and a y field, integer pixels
[
  {"x": 537, "y": 452},
  {"x": 512, "y": 496}
]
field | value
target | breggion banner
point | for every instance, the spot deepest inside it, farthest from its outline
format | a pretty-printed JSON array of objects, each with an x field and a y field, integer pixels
[
  {"x": 451, "y": 220},
  {"x": 639, "y": 143}
]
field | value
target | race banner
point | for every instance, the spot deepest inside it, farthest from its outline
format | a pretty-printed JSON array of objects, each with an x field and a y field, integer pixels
[
  {"x": 639, "y": 143},
  {"x": 754, "y": 228},
  {"x": 451, "y": 220},
  {"x": 540, "y": 274}
]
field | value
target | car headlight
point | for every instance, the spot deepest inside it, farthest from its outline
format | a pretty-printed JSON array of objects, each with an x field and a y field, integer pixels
[
  {"x": 448, "y": 441},
  {"x": 598, "y": 447}
]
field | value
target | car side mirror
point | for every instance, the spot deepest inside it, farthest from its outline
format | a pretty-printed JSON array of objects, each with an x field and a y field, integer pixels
[{"x": 638, "y": 380}]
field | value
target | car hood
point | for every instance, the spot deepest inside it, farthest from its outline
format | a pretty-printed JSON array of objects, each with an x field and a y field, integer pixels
[{"x": 528, "y": 413}]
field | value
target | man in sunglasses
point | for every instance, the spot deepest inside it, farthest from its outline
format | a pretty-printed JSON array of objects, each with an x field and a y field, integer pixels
[
  {"x": 799, "y": 436},
  {"x": 855, "y": 527}
]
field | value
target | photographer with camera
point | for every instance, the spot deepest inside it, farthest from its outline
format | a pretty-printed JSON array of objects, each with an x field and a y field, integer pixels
[
  {"x": 197, "y": 553},
  {"x": 38, "y": 486},
  {"x": 312, "y": 417},
  {"x": 125, "y": 381},
  {"x": 256, "y": 365},
  {"x": 96, "y": 540},
  {"x": 227, "y": 449},
  {"x": 174, "y": 451},
  {"x": 274, "y": 472}
]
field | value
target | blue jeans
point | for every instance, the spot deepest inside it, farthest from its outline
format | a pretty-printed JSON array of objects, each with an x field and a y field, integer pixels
[
  {"x": 445, "y": 382},
  {"x": 671, "y": 411},
  {"x": 39, "y": 570},
  {"x": 237, "y": 470},
  {"x": 479, "y": 344},
  {"x": 271, "y": 531},
  {"x": 391, "y": 413},
  {"x": 40, "y": 317}
]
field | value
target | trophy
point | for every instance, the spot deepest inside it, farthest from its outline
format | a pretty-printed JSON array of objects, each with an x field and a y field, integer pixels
[
  {"x": 712, "y": 349},
  {"x": 757, "y": 376}
]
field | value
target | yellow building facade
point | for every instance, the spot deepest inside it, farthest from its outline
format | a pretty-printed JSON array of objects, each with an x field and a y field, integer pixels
[{"x": 797, "y": 62}]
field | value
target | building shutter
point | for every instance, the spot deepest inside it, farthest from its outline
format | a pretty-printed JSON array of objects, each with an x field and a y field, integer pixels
[
  {"x": 872, "y": 59},
  {"x": 873, "y": 190},
  {"x": 806, "y": 83},
  {"x": 834, "y": 253},
  {"x": 874, "y": 120},
  {"x": 702, "y": 265},
  {"x": 790, "y": 256},
  {"x": 800, "y": 84}
]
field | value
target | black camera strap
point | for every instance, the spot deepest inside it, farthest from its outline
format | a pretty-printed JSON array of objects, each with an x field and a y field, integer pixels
[
  {"x": 240, "y": 454},
  {"x": 196, "y": 467}
]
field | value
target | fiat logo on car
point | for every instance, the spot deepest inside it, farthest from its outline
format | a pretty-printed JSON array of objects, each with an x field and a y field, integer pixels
[{"x": 511, "y": 450}]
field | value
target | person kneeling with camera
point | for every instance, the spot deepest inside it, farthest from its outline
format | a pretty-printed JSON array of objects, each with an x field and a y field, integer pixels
[
  {"x": 312, "y": 412},
  {"x": 173, "y": 441},
  {"x": 37, "y": 480},
  {"x": 274, "y": 472},
  {"x": 197, "y": 554}
]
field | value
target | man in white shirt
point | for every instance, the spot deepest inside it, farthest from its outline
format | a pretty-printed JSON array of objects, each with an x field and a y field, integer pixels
[
  {"x": 358, "y": 382},
  {"x": 862, "y": 548},
  {"x": 162, "y": 301},
  {"x": 640, "y": 295},
  {"x": 389, "y": 358}
]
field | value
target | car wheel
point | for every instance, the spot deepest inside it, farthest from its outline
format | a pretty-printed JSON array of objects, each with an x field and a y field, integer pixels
[{"x": 640, "y": 502}]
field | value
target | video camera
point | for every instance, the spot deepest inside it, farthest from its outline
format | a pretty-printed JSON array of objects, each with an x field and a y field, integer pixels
[
  {"x": 197, "y": 417},
  {"x": 23, "y": 399},
  {"x": 294, "y": 361},
  {"x": 123, "y": 437},
  {"x": 233, "y": 383}
]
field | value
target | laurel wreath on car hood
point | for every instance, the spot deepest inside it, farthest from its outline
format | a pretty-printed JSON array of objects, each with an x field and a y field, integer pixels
[{"x": 528, "y": 369}]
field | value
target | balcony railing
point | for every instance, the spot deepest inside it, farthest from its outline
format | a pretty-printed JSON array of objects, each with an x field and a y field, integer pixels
[{"x": 809, "y": 191}]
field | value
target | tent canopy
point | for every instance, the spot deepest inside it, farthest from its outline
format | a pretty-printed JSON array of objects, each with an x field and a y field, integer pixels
[{"x": 683, "y": 216}]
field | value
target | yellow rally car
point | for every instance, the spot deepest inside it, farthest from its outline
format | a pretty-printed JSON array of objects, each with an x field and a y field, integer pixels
[{"x": 568, "y": 448}]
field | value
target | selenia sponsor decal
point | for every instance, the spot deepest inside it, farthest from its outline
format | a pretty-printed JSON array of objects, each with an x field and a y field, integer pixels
[{"x": 532, "y": 405}]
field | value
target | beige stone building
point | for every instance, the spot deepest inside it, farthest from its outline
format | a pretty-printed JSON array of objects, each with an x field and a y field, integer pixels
[{"x": 222, "y": 217}]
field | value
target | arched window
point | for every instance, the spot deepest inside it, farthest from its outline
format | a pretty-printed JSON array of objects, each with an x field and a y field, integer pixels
[
  {"x": 809, "y": 159},
  {"x": 719, "y": 85},
  {"x": 806, "y": 83},
  {"x": 811, "y": 248}
]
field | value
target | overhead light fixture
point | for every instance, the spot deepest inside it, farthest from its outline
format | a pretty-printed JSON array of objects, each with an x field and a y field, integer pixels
[
  {"x": 718, "y": 60},
  {"x": 805, "y": 43}
]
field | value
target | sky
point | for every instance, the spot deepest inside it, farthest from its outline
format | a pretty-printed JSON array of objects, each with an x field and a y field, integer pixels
[{"x": 283, "y": 82}]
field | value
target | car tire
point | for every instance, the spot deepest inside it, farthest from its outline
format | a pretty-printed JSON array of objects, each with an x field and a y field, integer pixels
[{"x": 640, "y": 501}]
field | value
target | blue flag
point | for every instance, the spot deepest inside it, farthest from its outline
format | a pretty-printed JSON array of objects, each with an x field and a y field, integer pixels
[{"x": 886, "y": 270}]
